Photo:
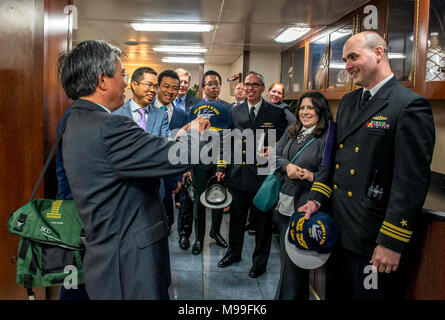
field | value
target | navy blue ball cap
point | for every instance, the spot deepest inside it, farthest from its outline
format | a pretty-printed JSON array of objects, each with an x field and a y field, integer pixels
[
  {"x": 309, "y": 242},
  {"x": 216, "y": 112}
]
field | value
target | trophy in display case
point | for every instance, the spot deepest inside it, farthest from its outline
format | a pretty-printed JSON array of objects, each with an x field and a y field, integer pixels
[{"x": 435, "y": 60}]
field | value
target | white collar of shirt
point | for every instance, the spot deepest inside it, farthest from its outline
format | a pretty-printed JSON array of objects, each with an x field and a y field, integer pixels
[
  {"x": 169, "y": 107},
  {"x": 105, "y": 108},
  {"x": 134, "y": 110},
  {"x": 257, "y": 106},
  {"x": 378, "y": 86},
  {"x": 307, "y": 130}
]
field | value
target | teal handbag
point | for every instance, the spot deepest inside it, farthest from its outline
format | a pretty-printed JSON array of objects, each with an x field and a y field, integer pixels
[{"x": 268, "y": 194}]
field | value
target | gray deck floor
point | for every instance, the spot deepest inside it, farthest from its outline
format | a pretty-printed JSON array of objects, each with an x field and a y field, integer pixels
[{"x": 198, "y": 277}]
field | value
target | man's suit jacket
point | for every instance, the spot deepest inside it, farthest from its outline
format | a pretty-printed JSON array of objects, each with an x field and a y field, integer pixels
[
  {"x": 157, "y": 119},
  {"x": 244, "y": 177},
  {"x": 190, "y": 101},
  {"x": 113, "y": 168},
  {"x": 392, "y": 134},
  {"x": 63, "y": 187},
  {"x": 179, "y": 118}
]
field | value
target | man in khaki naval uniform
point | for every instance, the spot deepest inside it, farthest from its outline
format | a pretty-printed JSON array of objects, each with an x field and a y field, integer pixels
[{"x": 385, "y": 141}]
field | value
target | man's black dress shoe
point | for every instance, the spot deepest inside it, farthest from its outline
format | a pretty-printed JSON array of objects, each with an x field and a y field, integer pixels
[
  {"x": 227, "y": 260},
  {"x": 197, "y": 247},
  {"x": 256, "y": 273},
  {"x": 219, "y": 239},
  {"x": 184, "y": 242},
  {"x": 250, "y": 229}
]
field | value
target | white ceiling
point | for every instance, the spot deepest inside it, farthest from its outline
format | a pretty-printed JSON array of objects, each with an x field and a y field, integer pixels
[{"x": 238, "y": 24}]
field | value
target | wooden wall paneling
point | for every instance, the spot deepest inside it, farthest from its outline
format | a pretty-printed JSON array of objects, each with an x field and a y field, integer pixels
[
  {"x": 422, "y": 47},
  {"x": 426, "y": 260},
  {"x": 57, "y": 40},
  {"x": 418, "y": 251},
  {"x": 32, "y": 103},
  {"x": 21, "y": 123},
  {"x": 434, "y": 277}
]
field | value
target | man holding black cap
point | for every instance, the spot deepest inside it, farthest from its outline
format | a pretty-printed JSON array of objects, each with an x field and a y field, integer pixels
[{"x": 211, "y": 82}]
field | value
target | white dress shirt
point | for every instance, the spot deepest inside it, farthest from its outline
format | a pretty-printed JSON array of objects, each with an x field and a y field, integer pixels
[
  {"x": 169, "y": 107},
  {"x": 377, "y": 87},
  {"x": 257, "y": 106},
  {"x": 134, "y": 111}
]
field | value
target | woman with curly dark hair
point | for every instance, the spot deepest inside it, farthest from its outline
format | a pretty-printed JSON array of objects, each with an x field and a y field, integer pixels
[{"x": 306, "y": 181}]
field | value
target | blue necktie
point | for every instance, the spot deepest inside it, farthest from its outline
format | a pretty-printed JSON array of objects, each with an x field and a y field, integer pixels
[
  {"x": 164, "y": 108},
  {"x": 178, "y": 103}
]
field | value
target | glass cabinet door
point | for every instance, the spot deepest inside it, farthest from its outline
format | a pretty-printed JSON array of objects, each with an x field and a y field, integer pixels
[
  {"x": 401, "y": 38},
  {"x": 317, "y": 67},
  {"x": 286, "y": 70},
  {"x": 435, "y": 57},
  {"x": 298, "y": 70},
  {"x": 338, "y": 77}
]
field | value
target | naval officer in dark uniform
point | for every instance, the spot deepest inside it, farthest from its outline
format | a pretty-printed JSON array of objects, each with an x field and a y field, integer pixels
[
  {"x": 385, "y": 141},
  {"x": 254, "y": 113}
]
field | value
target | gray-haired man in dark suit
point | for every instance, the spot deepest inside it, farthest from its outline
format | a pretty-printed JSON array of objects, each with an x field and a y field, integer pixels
[{"x": 113, "y": 168}]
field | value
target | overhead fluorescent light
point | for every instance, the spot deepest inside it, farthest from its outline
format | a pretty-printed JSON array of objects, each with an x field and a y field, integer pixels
[
  {"x": 291, "y": 34},
  {"x": 180, "y": 49},
  {"x": 396, "y": 56},
  {"x": 182, "y": 60},
  {"x": 172, "y": 27}
]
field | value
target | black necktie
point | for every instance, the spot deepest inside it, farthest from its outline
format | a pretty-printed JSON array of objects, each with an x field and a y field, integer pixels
[
  {"x": 365, "y": 99},
  {"x": 366, "y": 96},
  {"x": 252, "y": 114}
]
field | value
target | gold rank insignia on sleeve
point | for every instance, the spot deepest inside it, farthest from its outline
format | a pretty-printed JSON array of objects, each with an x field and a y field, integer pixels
[
  {"x": 222, "y": 163},
  {"x": 396, "y": 232},
  {"x": 322, "y": 188},
  {"x": 267, "y": 125}
]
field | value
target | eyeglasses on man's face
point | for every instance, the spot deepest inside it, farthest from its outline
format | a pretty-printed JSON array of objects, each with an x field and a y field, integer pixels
[
  {"x": 149, "y": 85},
  {"x": 252, "y": 85},
  {"x": 212, "y": 84}
]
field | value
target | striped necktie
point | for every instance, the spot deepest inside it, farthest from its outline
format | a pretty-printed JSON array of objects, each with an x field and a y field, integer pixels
[
  {"x": 178, "y": 103},
  {"x": 142, "y": 122}
]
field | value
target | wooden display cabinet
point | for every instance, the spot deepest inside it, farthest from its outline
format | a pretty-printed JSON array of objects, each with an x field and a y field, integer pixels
[
  {"x": 431, "y": 20},
  {"x": 293, "y": 72},
  {"x": 286, "y": 72},
  {"x": 414, "y": 30}
]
